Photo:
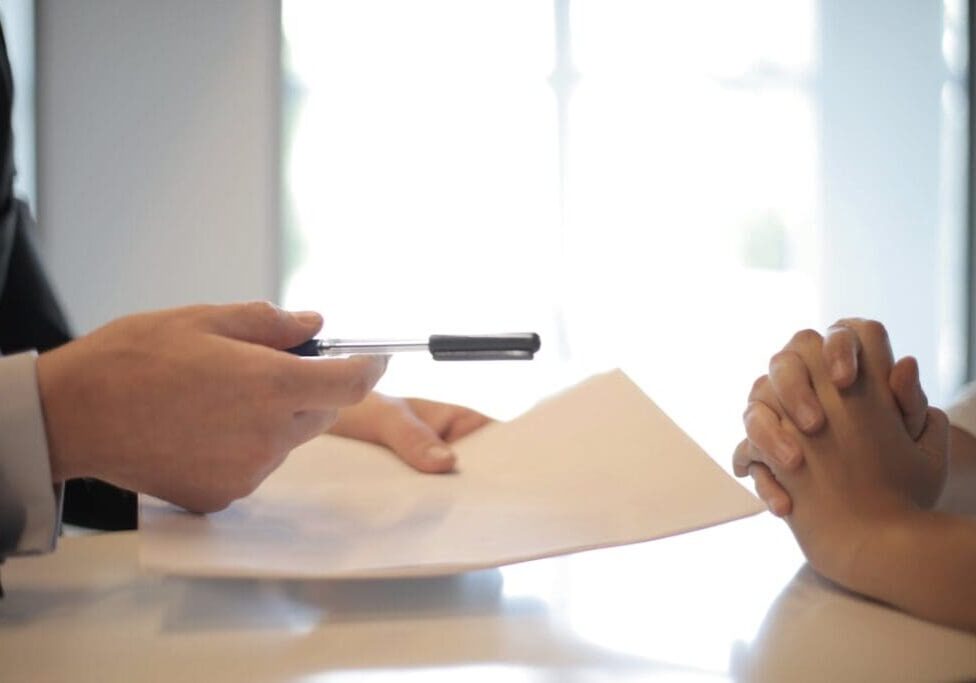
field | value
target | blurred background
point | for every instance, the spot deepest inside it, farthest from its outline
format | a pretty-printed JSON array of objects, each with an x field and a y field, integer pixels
[{"x": 673, "y": 188}]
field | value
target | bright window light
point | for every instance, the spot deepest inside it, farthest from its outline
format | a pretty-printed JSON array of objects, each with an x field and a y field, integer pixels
[{"x": 644, "y": 184}]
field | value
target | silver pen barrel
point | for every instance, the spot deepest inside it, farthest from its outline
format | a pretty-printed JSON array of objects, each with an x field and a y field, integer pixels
[{"x": 347, "y": 347}]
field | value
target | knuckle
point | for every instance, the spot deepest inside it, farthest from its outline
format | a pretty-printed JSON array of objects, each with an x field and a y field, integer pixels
[
  {"x": 783, "y": 360},
  {"x": 280, "y": 384},
  {"x": 263, "y": 311},
  {"x": 873, "y": 330},
  {"x": 752, "y": 419},
  {"x": 846, "y": 324},
  {"x": 194, "y": 311},
  {"x": 806, "y": 338},
  {"x": 272, "y": 387},
  {"x": 758, "y": 388}
]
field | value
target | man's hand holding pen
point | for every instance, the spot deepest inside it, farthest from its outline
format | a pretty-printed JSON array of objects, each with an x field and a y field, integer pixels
[
  {"x": 198, "y": 405},
  {"x": 193, "y": 405}
]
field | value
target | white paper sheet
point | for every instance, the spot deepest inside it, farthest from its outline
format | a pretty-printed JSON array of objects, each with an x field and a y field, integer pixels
[{"x": 597, "y": 465}]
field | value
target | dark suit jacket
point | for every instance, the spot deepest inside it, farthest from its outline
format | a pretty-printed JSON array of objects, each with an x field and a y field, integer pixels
[{"x": 30, "y": 317}]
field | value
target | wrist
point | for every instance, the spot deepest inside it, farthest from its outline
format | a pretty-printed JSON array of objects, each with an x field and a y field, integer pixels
[{"x": 889, "y": 543}]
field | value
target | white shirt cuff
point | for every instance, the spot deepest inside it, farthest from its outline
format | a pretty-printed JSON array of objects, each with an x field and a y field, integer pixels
[{"x": 30, "y": 505}]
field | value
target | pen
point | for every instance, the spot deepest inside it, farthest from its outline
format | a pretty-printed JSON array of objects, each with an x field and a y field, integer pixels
[{"x": 520, "y": 346}]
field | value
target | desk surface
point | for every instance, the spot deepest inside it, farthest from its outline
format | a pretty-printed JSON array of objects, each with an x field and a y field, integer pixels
[{"x": 730, "y": 603}]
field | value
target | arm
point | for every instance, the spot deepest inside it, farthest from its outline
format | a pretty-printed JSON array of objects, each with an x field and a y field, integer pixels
[{"x": 923, "y": 562}]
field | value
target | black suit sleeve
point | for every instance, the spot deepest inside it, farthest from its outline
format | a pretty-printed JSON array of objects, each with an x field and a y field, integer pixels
[{"x": 30, "y": 318}]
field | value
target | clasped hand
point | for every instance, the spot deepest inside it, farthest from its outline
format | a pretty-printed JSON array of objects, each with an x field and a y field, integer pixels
[{"x": 841, "y": 438}]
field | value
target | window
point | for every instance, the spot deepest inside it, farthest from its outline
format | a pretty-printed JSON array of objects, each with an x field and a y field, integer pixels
[{"x": 672, "y": 188}]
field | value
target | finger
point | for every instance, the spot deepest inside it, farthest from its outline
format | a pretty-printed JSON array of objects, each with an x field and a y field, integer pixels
[
  {"x": 907, "y": 390},
  {"x": 841, "y": 347},
  {"x": 770, "y": 441},
  {"x": 260, "y": 322},
  {"x": 934, "y": 439},
  {"x": 876, "y": 357},
  {"x": 746, "y": 454},
  {"x": 808, "y": 345},
  {"x": 307, "y": 424},
  {"x": 415, "y": 443},
  {"x": 777, "y": 500},
  {"x": 451, "y": 422},
  {"x": 790, "y": 380},
  {"x": 742, "y": 458},
  {"x": 326, "y": 383},
  {"x": 930, "y": 482},
  {"x": 463, "y": 424}
]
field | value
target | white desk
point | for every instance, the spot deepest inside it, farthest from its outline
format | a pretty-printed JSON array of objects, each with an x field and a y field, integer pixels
[{"x": 720, "y": 604}]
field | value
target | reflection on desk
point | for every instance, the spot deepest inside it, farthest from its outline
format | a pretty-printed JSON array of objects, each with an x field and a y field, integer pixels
[{"x": 730, "y": 603}]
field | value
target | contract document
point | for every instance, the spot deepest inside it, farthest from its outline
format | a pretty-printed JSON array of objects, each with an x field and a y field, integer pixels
[{"x": 594, "y": 466}]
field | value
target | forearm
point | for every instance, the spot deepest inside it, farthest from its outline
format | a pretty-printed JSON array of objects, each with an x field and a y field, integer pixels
[
  {"x": 924, "y": 564},
  {"x": 959, "y": 495}
]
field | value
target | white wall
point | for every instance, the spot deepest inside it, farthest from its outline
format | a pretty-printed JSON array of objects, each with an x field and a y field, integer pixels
[
  {"x": 888, "y": 250},
  {"x": 157, "y": 152}
]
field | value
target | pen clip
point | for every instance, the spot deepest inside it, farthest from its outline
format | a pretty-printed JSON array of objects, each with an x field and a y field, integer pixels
[{"x": 484, "y": 347}]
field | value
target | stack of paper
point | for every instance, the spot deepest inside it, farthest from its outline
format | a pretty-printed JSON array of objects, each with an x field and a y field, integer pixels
[{"x": 598, "y": 465}]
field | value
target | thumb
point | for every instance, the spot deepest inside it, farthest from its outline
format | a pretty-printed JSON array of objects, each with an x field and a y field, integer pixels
[
  {"x": 416, "y": 444},
  {"x": 934, "y": 444},
  {"x": 934, "y": 440},
  {"x": 261, "y": 322},
  {"x": 906, "y": 387}
]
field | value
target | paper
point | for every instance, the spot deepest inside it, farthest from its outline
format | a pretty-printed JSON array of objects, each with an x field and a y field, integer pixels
[{"x": 598, "y": 465}]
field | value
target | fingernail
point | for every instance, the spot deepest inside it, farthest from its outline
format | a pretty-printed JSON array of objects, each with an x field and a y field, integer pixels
[
  {"x": 838, "y": 371},
  {"x": 308, "y": 318},
  {"x": 439, "y": 453},
  {"x": 807, "y": 416}
]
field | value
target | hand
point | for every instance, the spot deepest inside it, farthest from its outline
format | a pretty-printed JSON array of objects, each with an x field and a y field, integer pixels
[
  {"x": 193, "y": 405},
  {"x": 417, "y": 431},
  {"x": 863, "y": 469},
  {"x": 787, "y": 389}
]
